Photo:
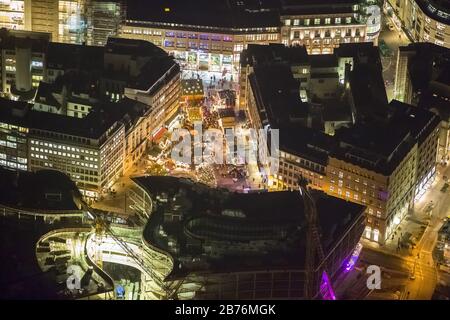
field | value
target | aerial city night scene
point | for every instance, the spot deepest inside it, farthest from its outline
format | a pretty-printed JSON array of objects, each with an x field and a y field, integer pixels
[{"x": 225, "y": 150}]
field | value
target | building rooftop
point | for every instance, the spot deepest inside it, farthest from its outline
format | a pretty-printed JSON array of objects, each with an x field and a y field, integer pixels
[
  {"x": 428, "y": 70},
  {"x": 295, "y": 7},
  {"x": 428, "y": 62},
  {"x": 46, "y": 95},
  {"x": 236, "y": 231}
]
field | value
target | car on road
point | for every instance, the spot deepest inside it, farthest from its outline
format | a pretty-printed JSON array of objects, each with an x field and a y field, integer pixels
[{"x": 391, "y": 27}]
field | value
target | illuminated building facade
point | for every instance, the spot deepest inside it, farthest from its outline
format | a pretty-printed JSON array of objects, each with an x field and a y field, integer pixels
[
  {"x": 422, "y": 20},
  {"x": 386, "y": 179}
]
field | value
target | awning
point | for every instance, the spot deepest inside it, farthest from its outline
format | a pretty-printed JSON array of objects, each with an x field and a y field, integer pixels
[{"x": 159, "y": 134}]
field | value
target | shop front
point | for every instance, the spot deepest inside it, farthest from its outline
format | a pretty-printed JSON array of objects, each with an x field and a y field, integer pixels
[{"x": 425, "y": 184}]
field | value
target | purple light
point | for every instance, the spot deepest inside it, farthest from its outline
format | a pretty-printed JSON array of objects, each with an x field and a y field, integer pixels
[
  {"x": 326, "y": 290},
  {"x": 353, "y": 258}
]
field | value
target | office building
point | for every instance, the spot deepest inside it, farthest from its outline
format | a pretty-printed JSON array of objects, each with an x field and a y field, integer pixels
[{"x": 14, "y": 140}]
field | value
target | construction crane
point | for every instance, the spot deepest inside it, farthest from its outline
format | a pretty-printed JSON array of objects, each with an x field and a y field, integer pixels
[{"x": 313, "y": 246}]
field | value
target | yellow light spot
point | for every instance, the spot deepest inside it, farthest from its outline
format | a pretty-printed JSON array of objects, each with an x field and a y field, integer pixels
[{"x": 167, "y": 9}]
